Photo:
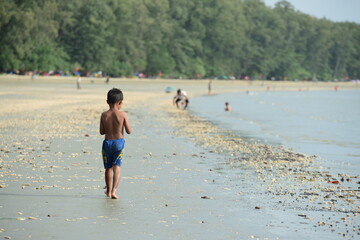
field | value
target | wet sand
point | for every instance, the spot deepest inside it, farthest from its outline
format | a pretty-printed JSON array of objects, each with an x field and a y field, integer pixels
[{"x": 182, "y": 178}]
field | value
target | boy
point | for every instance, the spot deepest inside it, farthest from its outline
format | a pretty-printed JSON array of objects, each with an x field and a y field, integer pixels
[
  {"x": 112, "y": 124},
  {"x": 227, "y": 107}
]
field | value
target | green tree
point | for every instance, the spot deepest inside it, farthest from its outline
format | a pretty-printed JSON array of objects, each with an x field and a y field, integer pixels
[
  {"x": 28, "y": 36},
  {"x": 342, "y": 51},
  {"x": 176, "y": 37},
  {"x": 90, "y": 35},
  {"x": 265, "y": 34},
  {"x": 318, "y": 48},
  {"x": 353, "y": 61},
  {"x": 225, "y": 41}
]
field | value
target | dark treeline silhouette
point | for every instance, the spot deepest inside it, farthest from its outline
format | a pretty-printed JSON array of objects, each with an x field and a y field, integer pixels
[{"x": 177, "y": 38}]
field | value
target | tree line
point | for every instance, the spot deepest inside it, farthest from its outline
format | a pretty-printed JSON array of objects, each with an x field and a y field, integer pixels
[{"x": 177, "y": 38}]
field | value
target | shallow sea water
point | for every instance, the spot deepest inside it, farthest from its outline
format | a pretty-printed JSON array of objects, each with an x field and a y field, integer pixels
[{"x": 321, "y": 123}]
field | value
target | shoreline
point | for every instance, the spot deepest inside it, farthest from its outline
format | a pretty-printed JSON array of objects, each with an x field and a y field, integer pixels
[
  {"x": 172, "y": 183},
  {"x": 285, "y": 174},
  {"x": 264, "y": 83}
]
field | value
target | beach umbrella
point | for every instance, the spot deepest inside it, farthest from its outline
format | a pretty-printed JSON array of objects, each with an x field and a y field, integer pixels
[{"x": 169, "y": 89}]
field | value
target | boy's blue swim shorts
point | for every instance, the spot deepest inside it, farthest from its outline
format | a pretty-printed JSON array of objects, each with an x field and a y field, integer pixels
[{"x": 112, "y": 152}]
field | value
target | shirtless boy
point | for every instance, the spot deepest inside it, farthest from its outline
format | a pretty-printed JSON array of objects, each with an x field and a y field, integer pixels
[
  {"x": 227, "y": 107},
  {"x": 112, "y": 125}
]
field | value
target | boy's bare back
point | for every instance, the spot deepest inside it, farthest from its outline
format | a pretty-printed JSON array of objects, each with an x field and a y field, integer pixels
[{"x": 112, "y": 124}]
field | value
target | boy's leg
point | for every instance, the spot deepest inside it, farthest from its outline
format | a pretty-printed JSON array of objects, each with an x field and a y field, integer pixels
[
  {"x": 108, "y": 181},
  {"x": 186, "y": 103},
  {"x": 116, "y": 180}
]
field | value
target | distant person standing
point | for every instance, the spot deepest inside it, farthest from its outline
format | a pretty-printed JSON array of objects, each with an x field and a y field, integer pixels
[
  {"x": 107, "y": 80},
  {"x": 209, "y": 87},
  {"x": 78, "y": 81},
  {"x": 32, "y": 75},
  {"x": 227, "y": 107}
]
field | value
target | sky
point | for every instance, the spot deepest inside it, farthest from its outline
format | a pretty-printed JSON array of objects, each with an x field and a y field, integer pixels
[{"x": 334, "y": 10}]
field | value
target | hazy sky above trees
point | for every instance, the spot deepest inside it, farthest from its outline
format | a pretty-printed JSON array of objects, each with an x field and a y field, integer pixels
[{"x": 334, "y": 10}]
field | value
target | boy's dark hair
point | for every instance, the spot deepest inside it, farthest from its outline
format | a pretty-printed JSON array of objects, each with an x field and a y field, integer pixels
[{"x": 114, "y": 95}]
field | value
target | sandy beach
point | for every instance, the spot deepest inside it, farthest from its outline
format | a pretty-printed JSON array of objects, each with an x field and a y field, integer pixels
[{"x": 182, "y": 178}]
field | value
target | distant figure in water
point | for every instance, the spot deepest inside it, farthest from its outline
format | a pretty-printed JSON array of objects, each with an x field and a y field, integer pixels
[
  {"x": 209, "y": 87},
  {"x": 182, "y": 98},
  {"x": 249, "y": 93},
  {"x": 336, "y": 88},
  {"x": 227, "y": 107}
]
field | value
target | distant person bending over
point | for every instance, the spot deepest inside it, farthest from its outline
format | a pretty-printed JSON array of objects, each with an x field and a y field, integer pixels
[
  {"x": 227, "y": 107},
  {"x": 180, "y": 96},
  {"x": 112, "y": 125}
]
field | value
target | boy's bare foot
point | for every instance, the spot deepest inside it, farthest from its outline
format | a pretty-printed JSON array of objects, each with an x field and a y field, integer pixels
[
  {"x": 114, "y": 196},
  {"x": 107, "y": 193}
]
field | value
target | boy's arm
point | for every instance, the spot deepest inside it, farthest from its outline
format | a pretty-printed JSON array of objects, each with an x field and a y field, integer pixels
[
  {"x": 127, "y": 124},
  {"x": 102, "y": 129}
]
